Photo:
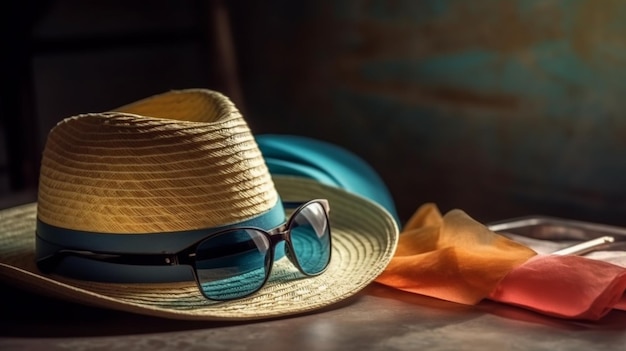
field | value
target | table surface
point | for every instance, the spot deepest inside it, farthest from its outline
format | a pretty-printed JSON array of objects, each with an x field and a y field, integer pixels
[{"x": 378, "y": 318}]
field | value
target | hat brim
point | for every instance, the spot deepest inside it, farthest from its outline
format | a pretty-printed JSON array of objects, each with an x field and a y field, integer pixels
[{"x": 364, "y": 237}]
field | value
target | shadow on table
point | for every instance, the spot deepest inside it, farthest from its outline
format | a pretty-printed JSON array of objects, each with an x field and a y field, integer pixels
[{"x": 26, "y": 314}]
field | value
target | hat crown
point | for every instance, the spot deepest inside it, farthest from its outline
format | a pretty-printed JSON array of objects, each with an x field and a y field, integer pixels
[{"x": 177, "y": 161}]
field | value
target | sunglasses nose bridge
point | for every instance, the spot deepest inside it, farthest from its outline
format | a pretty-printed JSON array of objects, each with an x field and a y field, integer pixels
[
  {"x": 278, "y": 251},
  {"x": 278, "y": 236}
]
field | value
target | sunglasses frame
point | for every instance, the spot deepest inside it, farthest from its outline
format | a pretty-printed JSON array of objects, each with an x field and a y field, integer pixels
[{"x": 187, "y": 256}]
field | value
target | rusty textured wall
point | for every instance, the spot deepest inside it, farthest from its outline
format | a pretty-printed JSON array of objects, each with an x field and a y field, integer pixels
[{"x": 501, "y": 108}]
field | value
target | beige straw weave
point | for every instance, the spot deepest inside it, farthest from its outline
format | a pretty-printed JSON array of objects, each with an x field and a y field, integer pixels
[
  {"x": 364, "y": 240},
  {"x": 180, "y": 161},
  {"x": 122, "y": 172}
]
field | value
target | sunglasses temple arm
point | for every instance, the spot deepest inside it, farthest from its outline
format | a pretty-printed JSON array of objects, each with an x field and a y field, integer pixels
[
  {"x": 48, "y": 263},
  {"x": 292, "y": 204}
]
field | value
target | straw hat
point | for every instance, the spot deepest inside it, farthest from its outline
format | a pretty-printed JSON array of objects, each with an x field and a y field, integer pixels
[{"x": 178, "y": 162}]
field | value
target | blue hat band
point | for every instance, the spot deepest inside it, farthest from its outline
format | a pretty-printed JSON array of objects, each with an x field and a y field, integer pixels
[{"x": 50, "y": 239}]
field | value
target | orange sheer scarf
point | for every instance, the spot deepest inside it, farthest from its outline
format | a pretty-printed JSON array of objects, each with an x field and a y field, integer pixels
[
  {"x": 451, "y": 257},
  {"x": 455, "y": 258}
]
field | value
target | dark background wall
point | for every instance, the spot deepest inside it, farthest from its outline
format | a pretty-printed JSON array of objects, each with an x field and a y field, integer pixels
[{"x": 501, "y": 108}]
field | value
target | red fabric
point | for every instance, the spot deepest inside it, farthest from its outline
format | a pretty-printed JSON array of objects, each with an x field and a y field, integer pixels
[{"x": 565, "y": 286}]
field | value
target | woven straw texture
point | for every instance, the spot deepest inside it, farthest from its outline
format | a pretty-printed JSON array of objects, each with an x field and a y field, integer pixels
[
  {"x": 364, "y": 239},
  {"x": 177, "y": 161}
]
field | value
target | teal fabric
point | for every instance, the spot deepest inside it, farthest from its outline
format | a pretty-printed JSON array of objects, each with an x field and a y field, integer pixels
[{"x": 327, "y": 163}]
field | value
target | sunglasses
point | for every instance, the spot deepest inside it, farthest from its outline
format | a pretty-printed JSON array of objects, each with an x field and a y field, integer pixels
[{"x": 237, "y": 262}]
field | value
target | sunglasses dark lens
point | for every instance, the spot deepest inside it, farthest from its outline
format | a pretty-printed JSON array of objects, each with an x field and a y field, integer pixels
[
  {"x": 233, "y": 264},
  {"x": 310, "y": 238}
]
